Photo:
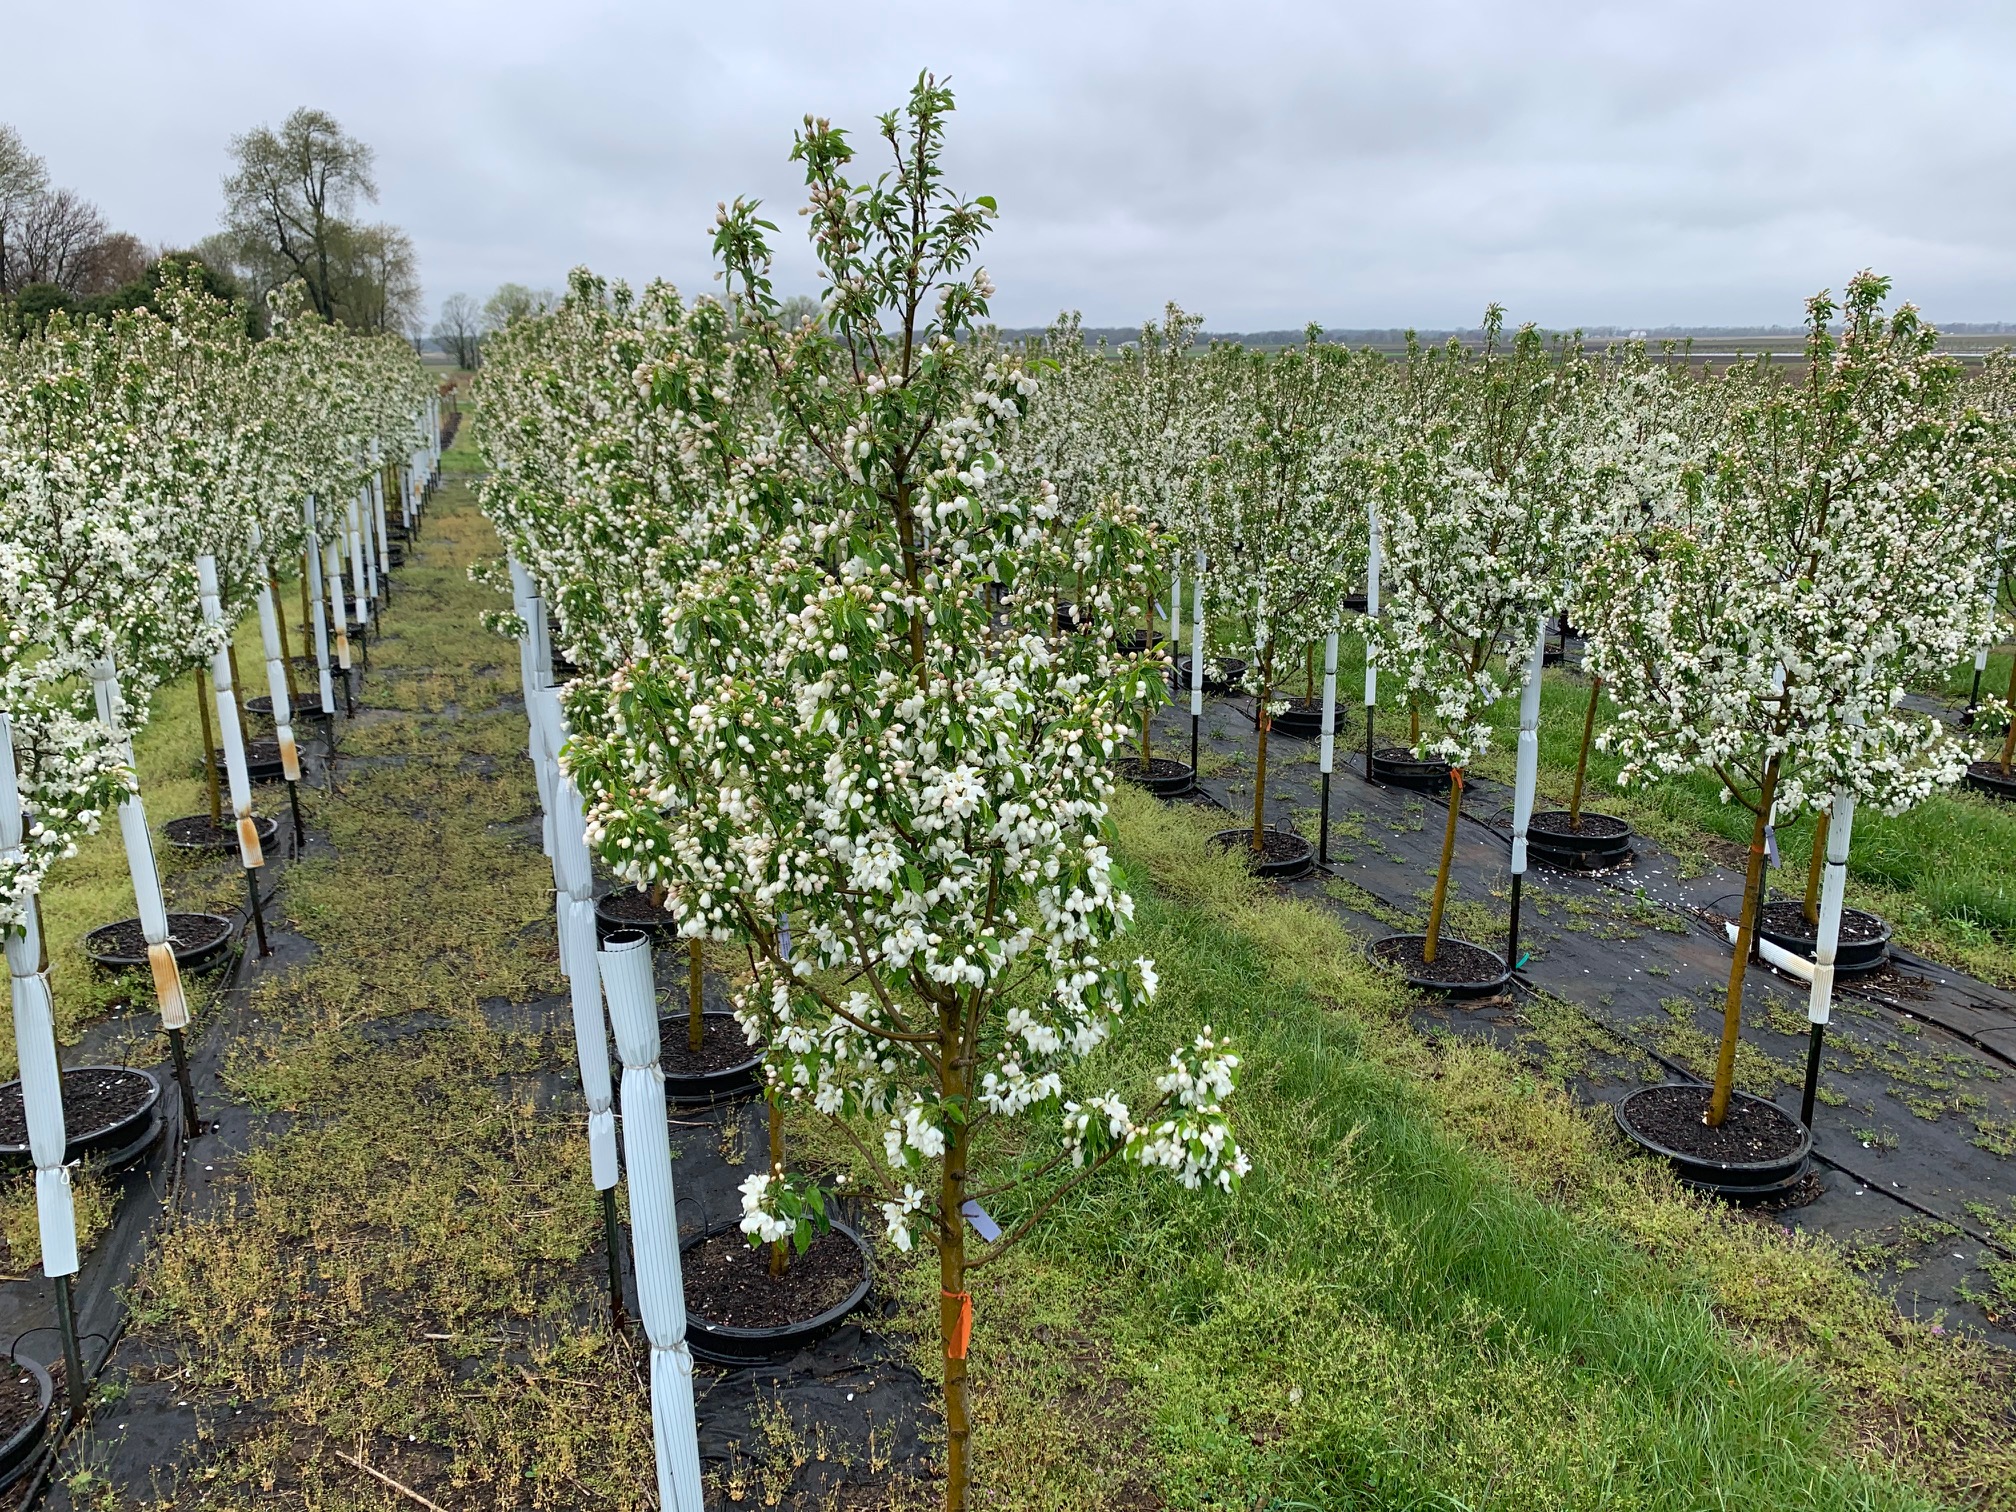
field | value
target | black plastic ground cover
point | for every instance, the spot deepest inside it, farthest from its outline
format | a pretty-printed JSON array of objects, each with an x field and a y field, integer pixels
[
  {"x": 1919, "y": 1071},
  {"x": 853, "y": 1391}
]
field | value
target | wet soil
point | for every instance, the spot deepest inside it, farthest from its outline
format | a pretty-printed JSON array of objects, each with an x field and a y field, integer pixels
[
  {"x": 1751, "y": 1131},
  {"x": 260, "y": 752},
  {"x": 1159, "y": 768},
  {"x": 196, "y": 830},
  {"x": 20, "y": 1402},
  {"x": 95, "y": 1098},
  {"x": 1787, "y": 918},
  {"x": 729, "y": 1283},
  {"x": 722, "y": 1045},
  {"x": 1594, "y": 826},
  {"x": 187, "y": 934},
  {"x": 633, "y": 907},
  {"x": 1457, "y": 963},
  {"x": 1275, "y": 845}
]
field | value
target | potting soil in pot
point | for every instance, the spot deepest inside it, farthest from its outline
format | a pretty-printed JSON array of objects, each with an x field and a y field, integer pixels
[
  {"x": 722, "y": 1044},
  {"x": 1787, "y": 917},
  {"x": 1594, "y": 826},
  {"x": 1750, "y": 1132},
  {"x": 1275, "y": 845},
  {"x": 1456, "y": 962},
  {"x": 633, "y": 907},
  {"x": 1158, "y": 768},
  {"x": 94, "y": 1099},
  {"x": 729, "y": 1284},
  {"x": 20, "y": 1401},
  {"x": 187, "y": 933}
]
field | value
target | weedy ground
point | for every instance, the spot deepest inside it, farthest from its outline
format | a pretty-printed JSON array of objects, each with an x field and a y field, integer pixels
[{"x": 1442, "y": 1286}]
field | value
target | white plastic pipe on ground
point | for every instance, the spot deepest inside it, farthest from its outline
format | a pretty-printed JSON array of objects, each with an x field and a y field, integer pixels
[
  {"x": 1527, "y": 771},
  {"x": 227, "y": 721},
  {"x": 1833, "y": 883},
  {"x": 276, "y": 669},
  {"x": 35, "y": 1046},
  {"x": 139, "y": 840},
  {"x": 654, "y": 1225}
]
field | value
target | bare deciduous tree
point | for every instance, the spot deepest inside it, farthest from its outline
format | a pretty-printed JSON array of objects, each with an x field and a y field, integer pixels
[
  {"x": 23, "y": 179},
  {"x": 59, "y": 237},
  {"x": 459, "y": 330}
]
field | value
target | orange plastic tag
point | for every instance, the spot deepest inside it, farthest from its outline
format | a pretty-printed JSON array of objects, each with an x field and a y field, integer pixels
[
  {"x": 1456, "y": 779},
  {"x": 962, "y": 1335}
]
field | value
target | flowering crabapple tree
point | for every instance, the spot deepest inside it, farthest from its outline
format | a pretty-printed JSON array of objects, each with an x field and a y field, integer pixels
[
  {"x": 1839, "y": 547},
  {"x": 1283, "y": 520},
  {"x": 851, "y": 728},
  {"x": 1482, "y": 508}
]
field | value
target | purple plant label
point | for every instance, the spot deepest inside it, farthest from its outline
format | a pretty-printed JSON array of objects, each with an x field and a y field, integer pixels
[{"x": 984, "y": 1226}]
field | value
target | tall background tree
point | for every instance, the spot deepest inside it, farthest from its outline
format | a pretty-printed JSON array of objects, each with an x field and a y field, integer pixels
[{"x": 289, "y": 212}]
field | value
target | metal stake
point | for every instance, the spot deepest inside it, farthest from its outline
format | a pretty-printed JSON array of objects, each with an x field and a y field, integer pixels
[
  {"x": 1368, "y": 742},
  {"x": 1512, "y": 934},
  {"x": 176, "y": 1047},
  {"x": 300, "y": 829},
  {"x": 73, "y": 1357},
  {"x": 1194, "y": 722},
  {"x": 1323, "y": 826},
  {"x": 258, "y": 912},
  {"x": 610, "y": 1241},
  {"x": 1812, "y": 1074}
]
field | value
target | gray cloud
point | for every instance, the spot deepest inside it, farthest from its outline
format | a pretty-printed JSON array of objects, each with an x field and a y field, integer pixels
[{"x": 1264, "y": 163}]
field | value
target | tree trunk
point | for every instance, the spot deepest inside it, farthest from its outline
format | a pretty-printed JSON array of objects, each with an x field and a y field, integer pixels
[
  {"x": 1732, "y": 1004},
  {"x": 955, "y": 1306},
  {"x": 1260, "y": 766},
  {"x": 209, "y": 750},
  {"x": 1815, "y": 867},
  {"x": 1413, "y": 724},
  {"x": 1310, "y": 694},
  {"x": 1147, "y": 709},
  {"x": 1582, "y": 762},
  {"x": 780, "y": 1250},
  {"x": 1441, "y": 897},
  {"x": 2009, "y": 739},
  {"x": 693, "y": 996}
]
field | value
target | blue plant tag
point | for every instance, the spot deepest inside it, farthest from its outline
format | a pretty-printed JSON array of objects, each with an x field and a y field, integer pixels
[
  {"x": 984, "y": 1226},
  {"x": 1771, "y": 843}
]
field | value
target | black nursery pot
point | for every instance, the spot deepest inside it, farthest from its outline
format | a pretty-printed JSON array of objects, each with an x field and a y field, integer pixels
[
  {"x": 742, "y": 1078},
  {"x": 1163, "y": 778},
  {"x": 307, "y": 706},
  {"x": 1135, "y": 642},
  {"x": 1603, "y": 840},
  {"x": 1396, "y": 766},
  {"x": 1460, "y": 969},
  {"x": 262, "y": 759},
  {"x": 1302, "y": 719},
  {"x": 112, "y": 1114},
  {"x": 1760, "y": 1151},
  {"x": 626, "y": 908},
  {"x": 17, "y": 1450},
  {"x": 1287, "y": 855},
  {"x": 196, "y": 939},
  {"x": 723, "y": 1345},
  {"x": 1234, "y": 669},
  {"x": 1986, "y": 777},
  {"x": 1864, "y": 943},
  {"x": 1355, "y": 603},
  {"x": 195, "y": 832}
]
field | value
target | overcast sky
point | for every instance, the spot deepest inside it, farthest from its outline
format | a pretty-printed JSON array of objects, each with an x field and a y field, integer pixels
[{"x": 1262, "y": 163}]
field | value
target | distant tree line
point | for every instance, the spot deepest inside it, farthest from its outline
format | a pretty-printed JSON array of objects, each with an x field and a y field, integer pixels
[{"x": 290, "y": 213}]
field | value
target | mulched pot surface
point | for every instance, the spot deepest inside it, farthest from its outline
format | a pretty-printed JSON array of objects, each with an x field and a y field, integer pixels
[
  {"x": 722, "y": 1045},
  {"x": 1282, "y": 852},
  {"x": 729, "y": 1284},
  {"x": 196, "y": 832},
  {"x": 1987, "y": 777},
  {"x": 25, "y": 1395},
  {"x": 189, "y": 935},
  {"x": 262, "y": 759},
  {"x": 1786, "y": 919},
  {"x": 1457, "y": 963},
  {"x": 1161, "y": 776},
  {"x": 1753, "y": 1131},
  {"x": 1399, "y": 767},
  {"x": 1555, "y": 822},
  {"x": 96, "y": 1100}
]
